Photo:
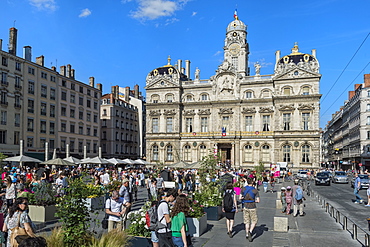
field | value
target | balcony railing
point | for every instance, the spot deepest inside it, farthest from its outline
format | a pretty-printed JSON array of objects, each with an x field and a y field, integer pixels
[{"x": 227, "y": 134}]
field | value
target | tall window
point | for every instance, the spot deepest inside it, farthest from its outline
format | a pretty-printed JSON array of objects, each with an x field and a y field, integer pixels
[
  {"x": 52, "y": 93},
  {"x": 43, "y": 109},
  {"x": 17, "y": 138},
  {"x": 30, "y": 124},
  {"x": 368, "y": 107},
  {"x": 286, "y": 121},
  {"x": 29, "y": 142},
  {"x": 266, "y": 153},
  {"x": 17, "y": 120},
  {"x": 44, "y": 91},
  {"x": 306, "y": 90},
  {"x": 266, "y": 123},
  {"x": 286, "y": 153},
  {"x": 286, "y": 91},
  {"x": 187, "y": 151},
  {"x": 305, "y": 120},
  {"x": 225, "y": 123},
  {"x": 248, "y": 95},
  {"x": 43, "y": 126},
  {"x": 202, "y": 151},
  {"x": 155, "y": 125},
  {"x": 189, "y": 98},
  {"x": 189, "y": 125},
  {"x": 248, "y": 153},
  {"x": 3, "y": 97},
  {"x": 204, "y": 124},
  {"x": 248, "y": 123},
  {"x": 31, "y": 106},
  {"x": 368, "y": 120},
  {"x": 204, "y": 97},
  {"x": 3, "y": 118},
  {"x": 3, "y": 136},
  {"x": 305, "y": 153},
  {"x": 31, "y": 87},
  {"x": 169, "y": 153},
  {"x": 234, "y": 62},
  {"x": 169, "y": 124},
  {"x": 155, "y": 98},
  {"x": 169, "y": 98}
]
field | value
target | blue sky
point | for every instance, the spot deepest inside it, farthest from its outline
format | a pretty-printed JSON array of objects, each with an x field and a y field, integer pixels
[{"x": 120, "y": 41}]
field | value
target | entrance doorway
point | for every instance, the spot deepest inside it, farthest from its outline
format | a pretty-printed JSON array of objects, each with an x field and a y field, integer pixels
[{"x": 225, "y": 151}]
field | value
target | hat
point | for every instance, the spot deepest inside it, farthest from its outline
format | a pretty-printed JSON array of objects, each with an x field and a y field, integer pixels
[
  {"x": 288, "y": 188},
  {"x": 125, "y": 180},
  {"x": 283, "y": 188}
]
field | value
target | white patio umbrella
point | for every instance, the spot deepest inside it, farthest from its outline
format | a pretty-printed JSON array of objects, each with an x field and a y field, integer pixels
[
  {"x": 180, "y": 164},
  {"x": 58, "y": 162},
  {"x": 195, "y": 165},
  {"x": 116, "y": 161},
  {"x": 140, "y": 162},
  {"x": 73, "y": 160},
  {"x": 22, "y": 158},
  {"x": 95, "y": 160},
  {"x": 128, "y": 161}
]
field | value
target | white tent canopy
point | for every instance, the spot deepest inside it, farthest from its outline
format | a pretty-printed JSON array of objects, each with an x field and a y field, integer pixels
[
  {"x": 95, "y": 160},
  {"x": 22, "y": 158},
  {"x": 58, "y": 162},
  {"x": 73, "y": 160},
  {"x": 116, "y": 161}
]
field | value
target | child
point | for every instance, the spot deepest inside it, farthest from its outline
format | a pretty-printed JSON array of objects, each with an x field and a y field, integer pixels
[
  {"x": 283, "y": 199},
  {"x": 288, "y": 199}
]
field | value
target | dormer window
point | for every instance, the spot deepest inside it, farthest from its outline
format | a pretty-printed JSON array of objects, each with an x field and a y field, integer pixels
[{"x": 169, "y": 98}]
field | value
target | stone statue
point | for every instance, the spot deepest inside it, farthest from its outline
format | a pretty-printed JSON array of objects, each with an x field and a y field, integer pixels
[
  {"x": 257, "y": 67},
  {"x": 197, "y": 74}
]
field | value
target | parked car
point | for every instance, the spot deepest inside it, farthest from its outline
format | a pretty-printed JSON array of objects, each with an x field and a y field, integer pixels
[
  {"x": 364, "y": 178},
  {"x": 322, "y": 178},
  {"x": 302, "y": 174},
  {"x": 340, "y": 177}
]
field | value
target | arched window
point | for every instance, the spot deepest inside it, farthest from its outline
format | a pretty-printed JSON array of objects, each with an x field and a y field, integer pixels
[
  {"x": 248, "y": 153},
  {"x": 169, "y": 98},
  {"x": 286, "y": 91},
  {"x": 169, "y": 153},
  {"x": 266, "y": 153},
  {"x": 306, "y": 90},
  {"x": 248, "y": 94},
  {"x": 155, "y": 152},
  {"x": 204, "y": 97},
  {"x": 286, "y": 153},
  {"x": 202, "y": 151},
  {"x": 155, "y": 98},
  {"x": 187, "y": 152},
  {"x": 306, "y": 153},
  {"x": 265, "y": 93}
]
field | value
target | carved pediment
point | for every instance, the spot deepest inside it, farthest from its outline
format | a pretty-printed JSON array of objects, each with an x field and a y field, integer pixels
[
  {"x": 303, "y": 107},
  {"x": 169, "y": 112},
  {"x": 287, "y": 107},
  {"x": 155, "y": 113},
  {"x": 189, "y": 112},
  {"x": 226, "y": 111},
  {"x": 161, "y": 82},
  {"x": 249, "y": 110},
  {"x": 295, "y": 72},
  {"x": 266, "y": 110},
  {"x": 204, "y": 112}
]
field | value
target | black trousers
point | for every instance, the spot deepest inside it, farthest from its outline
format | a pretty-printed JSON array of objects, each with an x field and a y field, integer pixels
[{"x": 165, "y": 239}]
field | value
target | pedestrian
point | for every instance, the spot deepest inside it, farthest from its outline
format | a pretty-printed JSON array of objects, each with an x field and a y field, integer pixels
[
  {"x": 125, "y": 193},
  {"x": 272, "y": 183},
  {"x": 189, "y": 182},
  {"x": 229, "y": 207},
  {"x": 160, "y": 185},
  {"x": 288, "y": 199},
  {"x": 180, "y": 181},
  {"x": 164, "y": 233},
  {"x": 283, "y": 199},
  {"x": 357, "y": 187},
  {"x": 114, "y": 208},
  {"x": 249, "y": 196},
  {"x": 265, "y": 182},
  {"x": 179, "y": 227},
  {"x": 298, "y": 198},
  {"x": 10, "y": 192}
]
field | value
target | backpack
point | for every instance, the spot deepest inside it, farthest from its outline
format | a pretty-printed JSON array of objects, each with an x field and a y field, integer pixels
[
  {"x": 228, "y": 201},
  {"x": 249, "y": 190},
  {"x": 151, "y": 218},
  {"x": 298, "y": 193}
]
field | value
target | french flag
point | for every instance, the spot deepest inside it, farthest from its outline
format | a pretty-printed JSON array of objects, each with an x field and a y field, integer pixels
[{"x": 236, "y": 14}]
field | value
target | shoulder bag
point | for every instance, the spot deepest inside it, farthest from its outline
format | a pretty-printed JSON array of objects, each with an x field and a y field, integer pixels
[
  {"x": 104, "y": 223},
  {"x": 18, "y": 234}
]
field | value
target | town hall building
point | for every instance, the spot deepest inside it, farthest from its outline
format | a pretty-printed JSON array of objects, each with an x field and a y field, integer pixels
[{"x": 247, "y": 117}]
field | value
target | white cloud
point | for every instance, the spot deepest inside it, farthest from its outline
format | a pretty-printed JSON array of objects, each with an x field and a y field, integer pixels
[
  {"x": 49, "y": 5},
  {"x": 85, "y": 13},
  {"x": 154, "y": 9},
  {"x": 170, "y": 21},
  {"x": 194, "y": 13},
  {"x": 217, "y": 53}
]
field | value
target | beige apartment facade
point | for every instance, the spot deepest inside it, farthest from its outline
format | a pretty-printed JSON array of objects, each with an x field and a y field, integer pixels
[
  {"x": 45, "y": 108},
  {"x": 248, "y": 119}
]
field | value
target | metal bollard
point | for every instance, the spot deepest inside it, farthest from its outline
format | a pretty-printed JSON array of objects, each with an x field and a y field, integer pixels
[
  {"x": 338, "y": 217},
  {"x": 354, "y": 236},
  {"x": 345, "y": 222},
  {"x": 367, "y": 236}
]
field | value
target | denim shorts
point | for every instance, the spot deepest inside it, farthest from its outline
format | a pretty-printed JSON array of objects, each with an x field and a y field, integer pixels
[
  {"x": 154, "y": 237},
  {"x": 177, "y": 241}
]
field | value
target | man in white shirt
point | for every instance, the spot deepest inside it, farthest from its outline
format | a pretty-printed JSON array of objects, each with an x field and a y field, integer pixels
[
  {"x": 113, "y": 207},
  {"x": 164, "y": 234},
  {"x": 105, "y": 178}
]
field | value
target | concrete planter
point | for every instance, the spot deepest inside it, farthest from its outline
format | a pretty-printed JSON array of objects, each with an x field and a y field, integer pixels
[
  {"x": 213, "y": 213},
  {"x": 95, "y": 203},
  {"x": 140, "y": 241},
  {"x": 42, "y": 213},
  {"x": 197, "y": 226}
]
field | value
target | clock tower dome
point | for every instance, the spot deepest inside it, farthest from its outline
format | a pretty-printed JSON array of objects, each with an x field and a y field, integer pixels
[{"x": 236, "y": 49}]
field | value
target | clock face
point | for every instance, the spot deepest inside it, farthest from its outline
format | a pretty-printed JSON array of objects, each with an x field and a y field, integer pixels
[{"x": 234, "y": 49}]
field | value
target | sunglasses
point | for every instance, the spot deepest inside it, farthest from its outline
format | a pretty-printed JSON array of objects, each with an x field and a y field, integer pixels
[{"x": 24, "y": 203}]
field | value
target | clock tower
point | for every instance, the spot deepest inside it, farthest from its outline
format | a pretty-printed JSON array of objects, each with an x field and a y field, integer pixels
[{"x": 236, "y": 49}]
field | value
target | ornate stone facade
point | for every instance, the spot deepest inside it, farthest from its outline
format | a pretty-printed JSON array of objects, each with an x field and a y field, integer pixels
[{"x": 249, "y": 119}]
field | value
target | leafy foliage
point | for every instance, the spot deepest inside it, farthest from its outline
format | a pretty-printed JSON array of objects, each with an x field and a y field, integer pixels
[
  {"x": 210, "y": 194},
  {"x": 44, "y": 195},
  {"x": 138, "y": 223},
  {"x": 196, "y": 209},
  {"x": 74, "y": 214}
]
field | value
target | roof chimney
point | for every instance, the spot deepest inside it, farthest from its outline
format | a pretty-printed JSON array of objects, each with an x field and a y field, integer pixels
[
  {"x": 73, "y": 73},
  {"x": 1, "y": 44},
  {"x": 27, "y": 53},
  {"x": 69, "y": 70},
  {"x": 367, "y": 80},
  {"x": 136, "y": 90},
  {"x": 187, "y": 69},
  {"x": 99, "y": 87},
  {"x": 53, "y": 68},
  {"x": 127, "y": 94},
  {"x": 92, "y": 81},
  {"x": 13, "y": 41},
  {"x": 179, "y": 65},
  {"x": 40, "y": 60},
  {"x": 63, "y": 70},
  {"x": 313, "y": 53},
  {"x": 351, "y": 94}
]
